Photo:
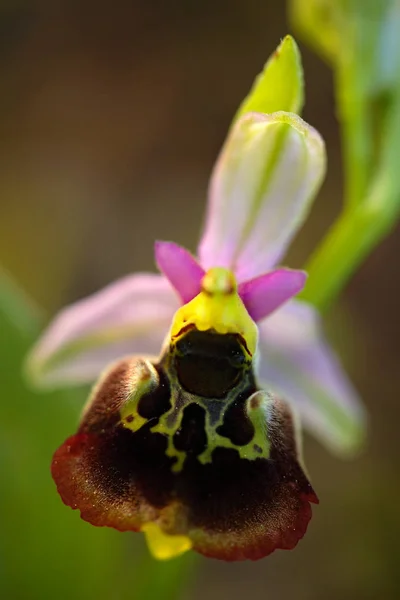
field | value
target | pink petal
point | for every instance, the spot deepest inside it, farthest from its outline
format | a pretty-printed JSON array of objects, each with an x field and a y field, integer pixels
[
  {"x": 261, "y": 190},
  {"x": 132, "y": 315},
  {"x": 296, "y": 362},
  {"x": 180, "y": 268},
  {"x": 266, "y": 293}
]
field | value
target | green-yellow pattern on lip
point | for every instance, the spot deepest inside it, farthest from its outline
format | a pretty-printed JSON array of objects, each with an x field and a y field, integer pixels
[
  {"x": 222, "y": 323},
  {"x": 215, "y": 409}
]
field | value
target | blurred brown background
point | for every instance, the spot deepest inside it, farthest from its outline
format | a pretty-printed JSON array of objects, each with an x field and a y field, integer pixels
[{"x": 112, "y": 115}]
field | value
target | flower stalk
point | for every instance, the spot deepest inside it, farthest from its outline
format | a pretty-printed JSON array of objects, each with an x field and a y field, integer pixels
[
  {"x": 365, "y": 56},
  {"x": 355, "y": 233}
]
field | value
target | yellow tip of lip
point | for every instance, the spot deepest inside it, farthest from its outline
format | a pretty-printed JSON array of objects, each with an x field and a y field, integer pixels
[{"x": 162, "y": 545}]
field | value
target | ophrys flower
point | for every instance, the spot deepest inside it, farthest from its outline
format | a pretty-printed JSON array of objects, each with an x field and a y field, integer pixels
[{"x": 196, "y": 447}]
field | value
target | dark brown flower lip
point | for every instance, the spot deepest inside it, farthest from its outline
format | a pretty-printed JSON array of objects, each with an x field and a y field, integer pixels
[
  {"x": 216, "y": 532},
  {"x": 236, "y": 493}
]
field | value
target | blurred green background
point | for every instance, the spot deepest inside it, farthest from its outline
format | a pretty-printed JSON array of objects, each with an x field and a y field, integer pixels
[{"x": 111, "y": 117}]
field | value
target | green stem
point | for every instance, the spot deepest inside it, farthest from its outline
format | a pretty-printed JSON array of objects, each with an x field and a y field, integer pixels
[
  {"x": 369, "y": 214},
  {"x": 354, "y": 114},
  {"x": 352, "y": 237}
]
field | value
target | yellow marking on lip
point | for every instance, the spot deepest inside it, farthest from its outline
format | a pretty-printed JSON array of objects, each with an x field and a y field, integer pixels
[
  {"x": 143, "y": 381},
  {"x": 171, "y": 451},
  {"x": 164, "y": 546},
  {"x": 218, "y": 307},
  {"x": 132, "y": 420}
]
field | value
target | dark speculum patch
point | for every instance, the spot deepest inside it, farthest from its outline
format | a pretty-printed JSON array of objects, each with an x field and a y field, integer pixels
[
  {"x": 209, "y": 364},
  {"x": 236, "y": 425},
  {"x": 191, "y": 436},
  {"x": 157, "y": 402}
]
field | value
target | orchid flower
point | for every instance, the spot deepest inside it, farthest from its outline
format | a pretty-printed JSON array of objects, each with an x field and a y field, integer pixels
[{"x": 191, "y": 434}]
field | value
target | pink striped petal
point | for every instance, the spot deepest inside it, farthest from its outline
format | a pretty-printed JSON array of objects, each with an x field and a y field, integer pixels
[
  {"x": 180, "y": 268},
  {"x": 131, "y": 315},
  {"x": 266, "y": 293},
  {"x": 261, "y": 191},
  {"x": 296, "y": 362}
]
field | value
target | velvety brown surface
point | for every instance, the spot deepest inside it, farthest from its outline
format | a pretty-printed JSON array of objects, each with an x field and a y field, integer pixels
[{"x": 232, "y": 508}]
